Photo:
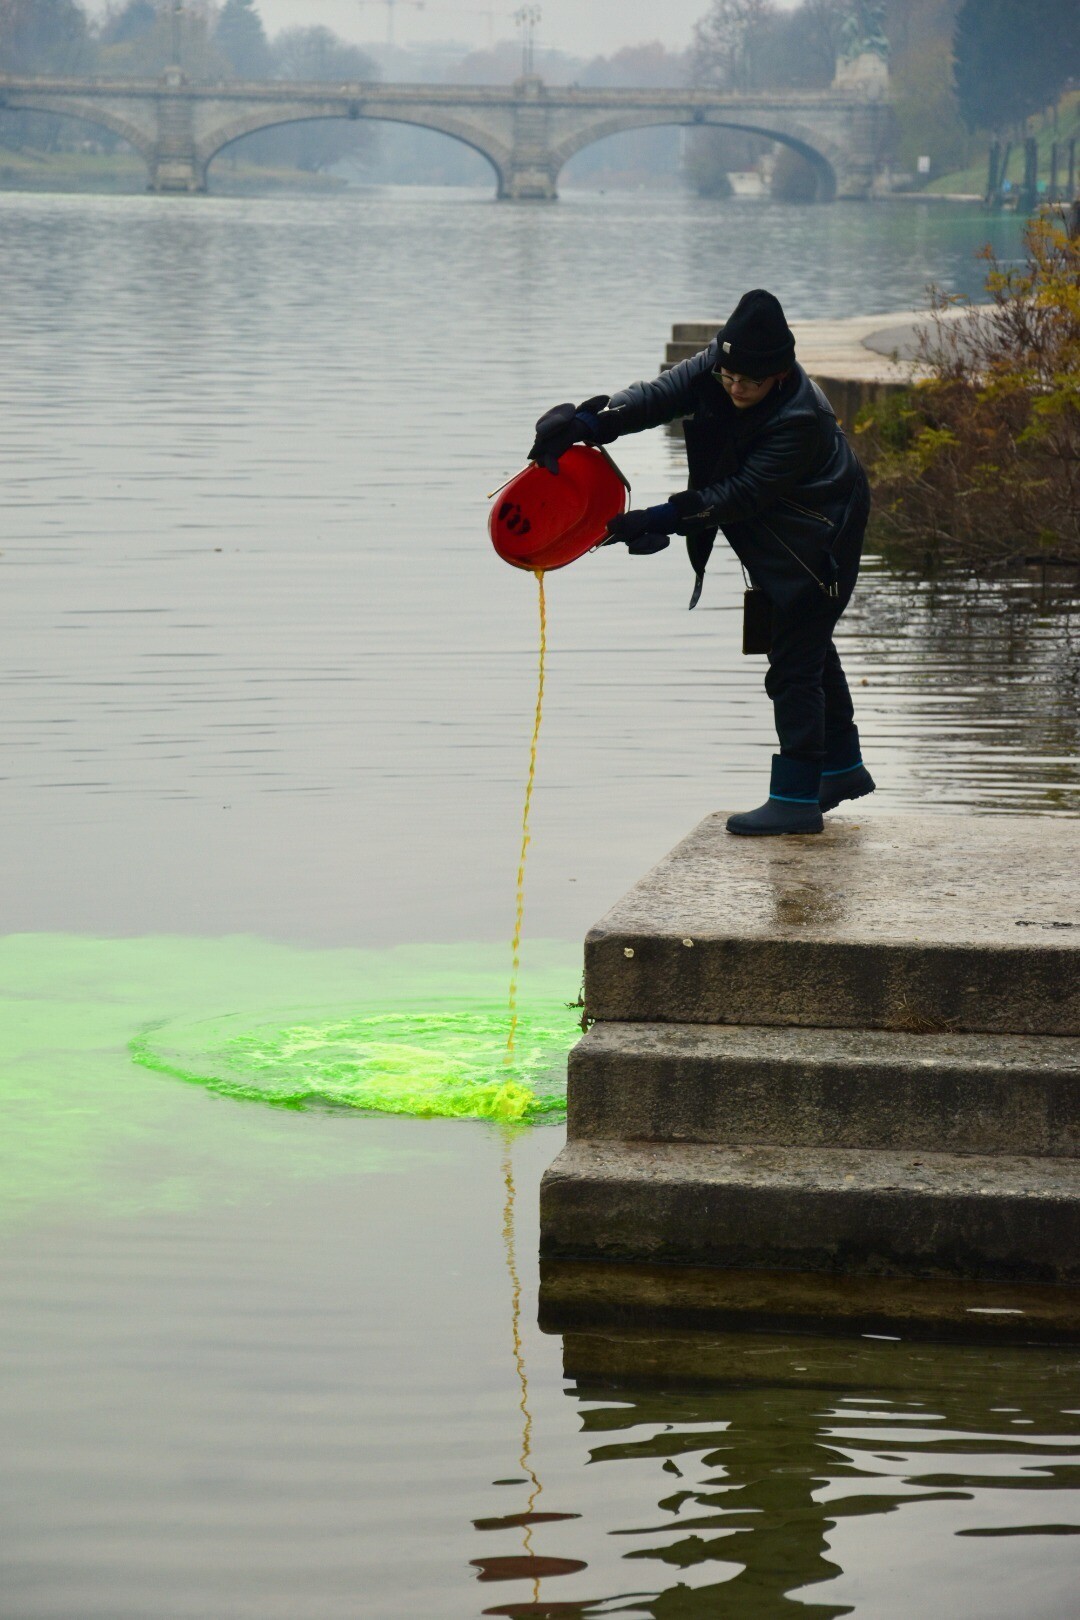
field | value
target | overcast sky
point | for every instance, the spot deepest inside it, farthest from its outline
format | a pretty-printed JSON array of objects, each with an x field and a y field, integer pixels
[{"x": 581, "y": 27}]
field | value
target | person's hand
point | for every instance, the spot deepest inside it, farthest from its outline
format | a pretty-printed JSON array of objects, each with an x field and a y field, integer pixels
[
  {"x": 643, "y": 531},
  {"x": 565, "y": 425}
]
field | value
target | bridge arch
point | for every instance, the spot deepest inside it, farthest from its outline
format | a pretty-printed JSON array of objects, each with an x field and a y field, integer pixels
[
  {"x": 90, "y": 112},
  {"x": 822, "y": 157},
  {"x": 215, "y": 141}
]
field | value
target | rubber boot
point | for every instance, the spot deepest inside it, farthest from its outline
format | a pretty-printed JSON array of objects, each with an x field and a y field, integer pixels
[
  {"x": 792, "y": 805},
  {"x": 844, "y": 775},
  {"x": 840, "y": 785}
]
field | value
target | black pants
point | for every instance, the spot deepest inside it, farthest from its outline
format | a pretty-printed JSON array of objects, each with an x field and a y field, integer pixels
[
  {"x": 815, "y": 718},
  {"x": 815, "y": 721}
]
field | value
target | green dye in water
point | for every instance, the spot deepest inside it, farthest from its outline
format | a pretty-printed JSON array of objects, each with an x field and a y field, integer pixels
[
  {"x": 442, "y": 1063},
  {"x": 86, "y": 1131}
]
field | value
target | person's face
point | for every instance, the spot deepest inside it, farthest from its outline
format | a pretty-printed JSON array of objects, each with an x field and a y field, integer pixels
[{"x": 744, "y": 391}]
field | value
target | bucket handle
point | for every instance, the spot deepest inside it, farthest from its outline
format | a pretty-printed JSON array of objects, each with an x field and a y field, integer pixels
[{"x": 616, "y": 469}]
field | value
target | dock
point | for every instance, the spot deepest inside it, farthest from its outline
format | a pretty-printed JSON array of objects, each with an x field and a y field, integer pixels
[{"x": 831, "y": 1078}]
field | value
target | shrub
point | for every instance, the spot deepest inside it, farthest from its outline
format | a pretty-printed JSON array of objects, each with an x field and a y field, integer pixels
[{"x": 977, "y": 464}]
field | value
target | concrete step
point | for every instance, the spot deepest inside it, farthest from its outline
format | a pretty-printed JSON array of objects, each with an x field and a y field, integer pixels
[
  {"x": 695, "y": 334},
  {"x": 925, "y": 924},
  {"x": 745, "y": 1084},
  {"x": 841, "y": 1211},
  {"x": 629, "y": 1302},
  {"x": 681, "y": 351}
]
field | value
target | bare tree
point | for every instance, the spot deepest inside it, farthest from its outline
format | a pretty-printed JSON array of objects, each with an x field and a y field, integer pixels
[
  {"x": 727, "y": 41},
  {"x": 820, "y": 24}
]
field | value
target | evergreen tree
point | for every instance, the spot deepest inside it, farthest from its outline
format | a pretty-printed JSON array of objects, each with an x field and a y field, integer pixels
[
  {"x": 241, "y": 39},
  {"x": 42, "y": 36},
  {"x": 137, "y": 18},
  {"x": 1011, "y": 58}
]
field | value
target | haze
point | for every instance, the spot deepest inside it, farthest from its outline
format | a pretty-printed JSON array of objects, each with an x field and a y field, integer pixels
[{"x": 579, "y": 27}]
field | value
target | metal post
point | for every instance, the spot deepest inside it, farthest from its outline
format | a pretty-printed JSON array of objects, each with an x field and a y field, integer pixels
[
  {"x": 1052, "y": 190},
  {"x": 993, "y": 178},
  {"x": 527, "y": 18},
  {"x": 1004, "y": 172},
  {"x": 1031, "y": 175},
  {"x": 176, "y": 40}
]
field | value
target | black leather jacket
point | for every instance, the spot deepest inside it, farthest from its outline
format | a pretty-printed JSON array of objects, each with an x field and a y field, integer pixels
[{"x": 779, "y": 478}]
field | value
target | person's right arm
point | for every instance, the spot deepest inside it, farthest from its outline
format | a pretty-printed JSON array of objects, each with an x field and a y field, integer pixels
[
  {"x": 651, "y": 404},
  {"x": 602, "y": 420}
]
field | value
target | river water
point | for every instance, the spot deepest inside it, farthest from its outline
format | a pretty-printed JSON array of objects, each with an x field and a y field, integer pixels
[{"x": 268, "y": 696}]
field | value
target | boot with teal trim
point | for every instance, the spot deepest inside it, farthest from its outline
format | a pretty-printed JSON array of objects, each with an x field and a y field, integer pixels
[
  {"x": 844, "y": 775},
  {"x": 792, "y": 805}
]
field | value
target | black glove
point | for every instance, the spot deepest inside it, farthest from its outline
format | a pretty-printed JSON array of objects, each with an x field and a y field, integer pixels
[
  {"x": 565, "y": 425},
  {"x": 644, "y": 531}
]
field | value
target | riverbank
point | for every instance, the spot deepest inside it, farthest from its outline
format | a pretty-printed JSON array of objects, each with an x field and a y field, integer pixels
[
  {"x": 1059, "y": 125},
  {"x": 124, "y": 173}
]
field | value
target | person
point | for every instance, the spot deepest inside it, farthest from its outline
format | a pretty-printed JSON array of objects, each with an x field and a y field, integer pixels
[{"x": 769, "y": 467}]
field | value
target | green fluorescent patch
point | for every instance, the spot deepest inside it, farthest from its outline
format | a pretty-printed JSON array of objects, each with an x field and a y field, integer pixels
[
  {"x": 446, "y": 1064},
  {"x": 317, "y": 1037}
]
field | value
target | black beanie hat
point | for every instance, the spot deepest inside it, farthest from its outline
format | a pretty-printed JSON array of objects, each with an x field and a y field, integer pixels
[{"x": 756, "y": 340}]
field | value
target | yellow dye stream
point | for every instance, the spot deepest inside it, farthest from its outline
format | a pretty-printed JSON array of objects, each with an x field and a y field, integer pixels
[
  {"x": 525, "y": 1456},
  {"x": 519, "y": 915},
  {"x": 427, "y": 1058}
]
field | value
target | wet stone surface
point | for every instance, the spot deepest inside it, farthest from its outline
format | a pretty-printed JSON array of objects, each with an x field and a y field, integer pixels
[{"x": 924, "y": 924}]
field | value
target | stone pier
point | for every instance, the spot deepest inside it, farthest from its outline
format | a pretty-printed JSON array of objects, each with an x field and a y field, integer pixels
[{"x": 831, "y": 1077}]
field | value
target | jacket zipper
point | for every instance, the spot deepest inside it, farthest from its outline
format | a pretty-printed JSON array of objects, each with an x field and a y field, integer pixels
[
  {"x": 805, "y": 510},
  {"x": 832, "y": 590}
]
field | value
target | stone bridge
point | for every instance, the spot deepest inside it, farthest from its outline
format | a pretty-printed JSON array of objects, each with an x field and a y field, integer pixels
[{"x": 527, "y": 131}]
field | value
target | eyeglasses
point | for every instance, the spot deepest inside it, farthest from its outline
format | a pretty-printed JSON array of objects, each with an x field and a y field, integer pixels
[{"x": 731, "y": 379}]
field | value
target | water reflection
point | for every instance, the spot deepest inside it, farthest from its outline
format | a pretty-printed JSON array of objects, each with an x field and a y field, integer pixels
[
  {"x": 829, "y": 1477},
  {"x": 970, "y": 690},
  {"x": 528, "y": 1564}
]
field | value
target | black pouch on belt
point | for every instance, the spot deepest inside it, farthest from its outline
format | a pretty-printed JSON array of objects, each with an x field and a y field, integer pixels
[{"x": 756, "y": 622}]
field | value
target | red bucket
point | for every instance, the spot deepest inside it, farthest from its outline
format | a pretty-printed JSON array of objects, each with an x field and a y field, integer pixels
[{"x": 542, "y": 520}]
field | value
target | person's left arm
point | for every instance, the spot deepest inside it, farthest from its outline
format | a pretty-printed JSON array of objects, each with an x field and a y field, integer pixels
[{"x": 773, "y": 467}]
